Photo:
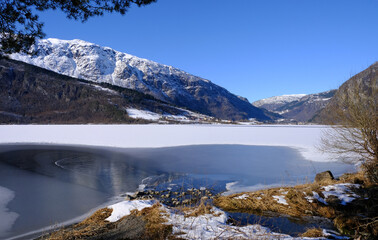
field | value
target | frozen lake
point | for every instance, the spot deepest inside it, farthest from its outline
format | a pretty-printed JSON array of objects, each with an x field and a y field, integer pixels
[{"x": 42, "y": 185}]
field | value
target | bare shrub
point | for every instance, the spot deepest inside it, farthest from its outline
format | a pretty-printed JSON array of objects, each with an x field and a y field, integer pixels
[{"x": 354, "y": 121}]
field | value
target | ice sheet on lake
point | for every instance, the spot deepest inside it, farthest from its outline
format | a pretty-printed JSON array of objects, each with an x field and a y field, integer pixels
[
  {"x": 7, "y": 218},
  {"x": 302, "y": 138}
]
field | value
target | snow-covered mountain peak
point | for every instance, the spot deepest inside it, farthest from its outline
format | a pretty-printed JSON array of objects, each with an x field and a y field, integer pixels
[
  {"x": 84, "y": 60},
  {"x": 283, "y": 99}
]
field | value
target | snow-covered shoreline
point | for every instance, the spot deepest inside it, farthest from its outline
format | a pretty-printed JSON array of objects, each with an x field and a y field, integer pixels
[{"x": 303, "y": 138}]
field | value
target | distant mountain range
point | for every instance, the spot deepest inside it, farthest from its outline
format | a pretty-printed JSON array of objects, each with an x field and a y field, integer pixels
[
  {"x": 273, "y": 103},
  {"x": 91, "y": 62},
  {"x": 80, "y": 82},
  {"x": 316, "y": 108},
  {"x": 297, "y": 107}
]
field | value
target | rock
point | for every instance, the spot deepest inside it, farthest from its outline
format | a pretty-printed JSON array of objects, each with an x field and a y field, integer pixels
[
  {"x": 140, "y": 194},
  {"x": 324, "y": 176},
  {"x": 129, "y": 197},
  {"x": 130, "y": 227}
]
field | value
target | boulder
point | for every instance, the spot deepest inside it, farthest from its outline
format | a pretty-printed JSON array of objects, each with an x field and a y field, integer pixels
[{"x": 324, "y": 176}]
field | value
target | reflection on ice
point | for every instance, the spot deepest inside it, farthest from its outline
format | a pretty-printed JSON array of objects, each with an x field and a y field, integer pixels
[{"x": 7, "y": 218}]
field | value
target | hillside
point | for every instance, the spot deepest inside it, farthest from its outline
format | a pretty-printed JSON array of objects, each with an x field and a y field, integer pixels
[
  {"x": 95, "y": 63},
  {"x": 30, "y": 94},
  {"x": 366, "y": 83},
  {"x": 306, "y": 107}
]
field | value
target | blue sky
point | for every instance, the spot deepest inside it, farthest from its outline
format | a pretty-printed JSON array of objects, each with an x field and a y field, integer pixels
[{"x": 253, "y": 48}]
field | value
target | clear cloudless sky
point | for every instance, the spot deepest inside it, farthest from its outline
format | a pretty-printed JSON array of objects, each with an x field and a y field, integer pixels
[{"x": 253, "y": 48}]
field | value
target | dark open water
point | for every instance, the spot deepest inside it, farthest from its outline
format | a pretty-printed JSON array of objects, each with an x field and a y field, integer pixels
[{"x": 53, "y": 184}]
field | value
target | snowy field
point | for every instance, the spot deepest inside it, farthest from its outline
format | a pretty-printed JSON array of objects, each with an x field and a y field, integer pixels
[{"x": 303, "y": 138}]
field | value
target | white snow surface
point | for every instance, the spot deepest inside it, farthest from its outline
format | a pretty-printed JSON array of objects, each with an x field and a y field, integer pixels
[
  {"x": 143, "y": 114},
  {"x": 213, "y": 226},
  {"x": 7, "y": 218},
  {"x": 241, "y": 197},
  {"x": 317, "y": 197},
  {"x": 342, "y": 191},
  {"x": 302, "y": 138},
  {"x": 124, "y": 208},
  {"x": 148, "y": 115},
  {"x": 280, "y": 199}
]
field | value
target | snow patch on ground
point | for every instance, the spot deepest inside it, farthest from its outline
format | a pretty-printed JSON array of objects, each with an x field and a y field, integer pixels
[
  {"x": 242, "y": 197},
  {"x": 185, "y": 117},
  {"x": 124, "y": 208},
  {"x": 7, "y": 218},
  {"x": 280, "y": 199},
  {"x": 317, "y": 197},
  {"x": 208, "y": 226},
  {"x": 342, "y": 191},
  {"x": 213, "y": 226},
  {"x": 105, "y": 89},
  {"x": 143, "y": 114}
]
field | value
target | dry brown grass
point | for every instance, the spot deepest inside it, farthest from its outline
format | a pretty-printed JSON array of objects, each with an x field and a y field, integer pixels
[
  {"x": 356, "y": 219},
  {"x": 313, "y": 233},
  {"x": 156, "y": 227},
  {"x": 358, "y": 178},
  {"x": 263, "y": 201},
  {"x": 89, "y": 227},
  {"x": 195, "y": 211},
  {"x": 98, "y": 218}
]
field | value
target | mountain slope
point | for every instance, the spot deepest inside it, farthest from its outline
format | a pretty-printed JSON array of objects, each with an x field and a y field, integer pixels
[
  {"x": 91, "y": 62},
  {"x": 365, "y": 82},
  {"x": 306, "y": 107},
  {"x": 273, "y": 103},
  {"x": 30, "y": 94},
  {"x": 297, "y": 107}
]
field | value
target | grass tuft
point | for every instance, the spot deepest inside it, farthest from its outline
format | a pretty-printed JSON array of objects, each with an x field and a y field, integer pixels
[
  {"x": 156, "y": 227},
  {"x": 313, "y": 233}
]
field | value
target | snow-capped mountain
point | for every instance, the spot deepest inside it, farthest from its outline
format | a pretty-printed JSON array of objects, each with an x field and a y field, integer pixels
[
  {"x": 273, "y": 103},
  {"x": 84, "y": 60},
  {"x": 297, "y": 107},
  {"x": 68, "y": 100}
]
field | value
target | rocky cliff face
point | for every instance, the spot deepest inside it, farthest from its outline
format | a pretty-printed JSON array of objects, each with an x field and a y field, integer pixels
[
  {"x": 91, "y": 62},
  {"x": 30, "y": 94},
  {"x": 365, "y": 83}
]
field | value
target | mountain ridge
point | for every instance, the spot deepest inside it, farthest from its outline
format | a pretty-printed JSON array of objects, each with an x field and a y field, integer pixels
[
  {"x": 297, "y": 107},
  {"x": 30, "y": 94},
  {"x": 81, "y": 59},
  {"x": 274, "y": 102}
]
